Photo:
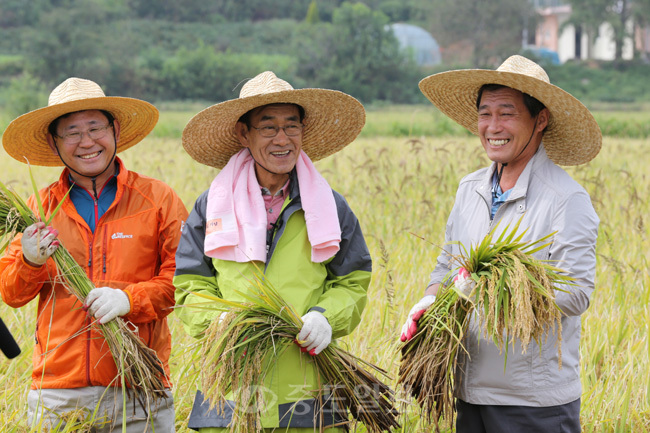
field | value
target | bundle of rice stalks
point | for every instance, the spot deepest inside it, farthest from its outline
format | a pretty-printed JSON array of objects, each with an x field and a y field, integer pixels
[
  {"x": 515, "y": 299},
  {"x": 515, "y": 292},
  {"x": 239, "y": 348},
  {"x": 428, "y": 360},
  {"x": 138, "y": 366}
]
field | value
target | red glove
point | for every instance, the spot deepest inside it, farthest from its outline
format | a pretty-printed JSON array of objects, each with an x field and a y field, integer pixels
[{"x": 410, "y": 328}]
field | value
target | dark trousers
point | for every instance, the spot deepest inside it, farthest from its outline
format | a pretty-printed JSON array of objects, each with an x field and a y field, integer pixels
[{"x": 477, "y": 418}]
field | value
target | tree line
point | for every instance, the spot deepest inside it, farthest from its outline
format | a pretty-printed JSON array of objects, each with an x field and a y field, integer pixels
[{"x": 203, "y": 50}]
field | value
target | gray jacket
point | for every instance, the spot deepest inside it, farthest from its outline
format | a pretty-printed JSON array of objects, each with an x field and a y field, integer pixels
[{"x": 550, "y": 201}]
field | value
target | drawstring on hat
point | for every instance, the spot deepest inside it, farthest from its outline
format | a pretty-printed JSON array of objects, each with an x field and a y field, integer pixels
[{"x": 503, "y": 165}]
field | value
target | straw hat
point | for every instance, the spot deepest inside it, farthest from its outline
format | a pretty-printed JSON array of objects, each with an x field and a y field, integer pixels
[
  {"x": 572, "y": 136},
  {"x": 332, "y": 120},
  {"x": 26, "y": 136}
]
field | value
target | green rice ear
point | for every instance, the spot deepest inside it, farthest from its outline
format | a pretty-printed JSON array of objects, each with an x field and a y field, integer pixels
[
  {"x": 56, "y": 209},
  {"x": 41, "y": 211}
]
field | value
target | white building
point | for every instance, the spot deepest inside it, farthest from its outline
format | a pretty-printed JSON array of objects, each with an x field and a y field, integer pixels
[{"x": 572, "y": 43}]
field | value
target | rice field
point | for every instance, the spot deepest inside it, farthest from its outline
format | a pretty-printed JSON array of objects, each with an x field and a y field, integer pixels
[{"x": 402, "y": 189}]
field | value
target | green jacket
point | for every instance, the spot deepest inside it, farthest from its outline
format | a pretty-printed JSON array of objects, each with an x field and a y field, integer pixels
[{"x": 336, "y": 288}]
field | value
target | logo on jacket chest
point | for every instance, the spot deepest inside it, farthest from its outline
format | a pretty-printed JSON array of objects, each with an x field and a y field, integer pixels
[{"x": 120, "y": 235}]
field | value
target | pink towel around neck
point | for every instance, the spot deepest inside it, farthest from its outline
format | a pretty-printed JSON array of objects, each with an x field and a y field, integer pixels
[{"x": 236, "y": 215}]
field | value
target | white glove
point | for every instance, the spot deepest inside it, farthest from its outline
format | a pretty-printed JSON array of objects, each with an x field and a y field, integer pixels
[
  {"x": 39, "y": 243},
  {"x": 316, "y": 333},
  {"x": 106, "y": 303},
  {"x": 410, "y": 327},
  {"x": 464, "y": 283}
]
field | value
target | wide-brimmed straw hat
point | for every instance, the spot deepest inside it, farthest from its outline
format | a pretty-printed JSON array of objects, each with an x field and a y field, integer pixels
[
  {"x": 332, "y": 120},
  {"x": 572, "y": 136},
  {"x": 26, "y": 136}
]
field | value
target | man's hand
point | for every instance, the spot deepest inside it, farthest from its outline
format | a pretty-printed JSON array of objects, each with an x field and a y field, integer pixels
[
  {"x": 316, "y": 333},
  {"x": 464, "y": 283},
  {"x": 39, "y": 243},
  {"x": 410, "y": 328},
  {"x": 105, "y": 303}
]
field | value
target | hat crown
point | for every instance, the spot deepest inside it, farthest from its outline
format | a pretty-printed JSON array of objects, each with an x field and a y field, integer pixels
[
  {"x": 521, "y": 65},
  {"x": 75, "y": 89},
  {"x": 264, "y": 83}
]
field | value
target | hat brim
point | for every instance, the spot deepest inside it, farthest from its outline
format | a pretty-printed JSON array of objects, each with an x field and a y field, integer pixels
[
  {"x": 572, "y": 136},
  {"x": 332, "y": 121},
  {"x": 25, "y": 139}
]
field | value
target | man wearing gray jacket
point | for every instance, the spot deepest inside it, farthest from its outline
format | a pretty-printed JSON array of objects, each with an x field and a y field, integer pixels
[{"x": 528, "y": 127}]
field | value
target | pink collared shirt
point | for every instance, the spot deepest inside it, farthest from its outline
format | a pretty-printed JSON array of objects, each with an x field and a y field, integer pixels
[{"x": 273, "y": 203}]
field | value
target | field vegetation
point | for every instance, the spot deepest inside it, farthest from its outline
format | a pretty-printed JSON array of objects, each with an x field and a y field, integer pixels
[{"x": 401, "y": 185}]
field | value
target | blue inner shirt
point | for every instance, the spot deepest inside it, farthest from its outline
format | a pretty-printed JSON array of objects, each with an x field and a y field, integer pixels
[
  {"x": 84, "y": 201},
  {"x": 498, "y": 197}
]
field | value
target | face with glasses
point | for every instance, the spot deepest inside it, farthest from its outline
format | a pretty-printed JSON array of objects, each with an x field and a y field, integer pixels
[
  {"x": 86, "y": 141},
  {"x": 274, "y": 139}
]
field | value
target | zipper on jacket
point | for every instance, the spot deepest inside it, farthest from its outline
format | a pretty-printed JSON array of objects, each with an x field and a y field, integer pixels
[
  {"x": 96, "y": 204},
  {"x": 90, "y": 256},
  {"x": 104, "y": 247},
  {"x": 88, "y": 321}
]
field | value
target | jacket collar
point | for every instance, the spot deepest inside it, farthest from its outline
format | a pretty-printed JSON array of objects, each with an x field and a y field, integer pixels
[
  {"x": 64, "y": 179},
  {"x": 521, "y": 186}
]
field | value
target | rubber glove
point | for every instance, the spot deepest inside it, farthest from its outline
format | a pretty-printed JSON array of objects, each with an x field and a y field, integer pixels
[
  {"x": 39, "y": 243},
  {"x": 316, "y": 333},
  {"x": 464, "y": 283},
  {"x": 410, "y": 328},
  {"x": 105, "y": 303}
]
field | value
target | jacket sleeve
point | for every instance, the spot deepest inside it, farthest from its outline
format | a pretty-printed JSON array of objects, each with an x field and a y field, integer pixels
[
  {"x": 194, "y": 273},
  {"x": 574, "y": 249},
  {"x": 19, "y": 281},
  {"x": 154, "y": 299},
  {"x": 348, "y": 276},
  {"x": 440, "y": 273}
]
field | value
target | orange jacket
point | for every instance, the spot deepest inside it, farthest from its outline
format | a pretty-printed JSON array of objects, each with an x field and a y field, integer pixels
[{"x": 133, "y": 249}]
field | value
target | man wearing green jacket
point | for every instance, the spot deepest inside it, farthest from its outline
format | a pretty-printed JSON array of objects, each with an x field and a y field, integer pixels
[{"x": 270, "y": 209}]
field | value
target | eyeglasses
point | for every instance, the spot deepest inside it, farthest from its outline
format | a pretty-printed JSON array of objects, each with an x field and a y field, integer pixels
[
  {"x": 96, "y": 133},
  {"x": 271, "y": 131}
]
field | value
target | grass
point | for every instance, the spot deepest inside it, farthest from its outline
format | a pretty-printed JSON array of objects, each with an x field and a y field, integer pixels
[{"x": 401, "y": 185}]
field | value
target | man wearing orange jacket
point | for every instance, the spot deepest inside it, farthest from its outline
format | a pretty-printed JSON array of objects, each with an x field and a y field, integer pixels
[{"x": 121, "y": 227}]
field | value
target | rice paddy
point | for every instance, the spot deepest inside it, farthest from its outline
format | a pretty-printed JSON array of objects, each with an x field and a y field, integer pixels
[{"x": 402, "y": 189}]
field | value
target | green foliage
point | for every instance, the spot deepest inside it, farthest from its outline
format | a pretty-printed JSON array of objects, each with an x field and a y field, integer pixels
[
  {"x": 356, "y": 54},
  {"x": 138, "y": 47},
  {"x": 603, "y": 81},
  {"x": 10, "y": 65},
  {"x": 64, "y": 41},
  {"x": 312, "y": 13},
  {"x": 23, "y": 94},
  {"x": 396, "y": 10},
  {"x": 204, "y": 74},
  {"x": 176, "y": 10},
  {"x": 17, "y": 13},
  {"x": 492, "y": 28}
]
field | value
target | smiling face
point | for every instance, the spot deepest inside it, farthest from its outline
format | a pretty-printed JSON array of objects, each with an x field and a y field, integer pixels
[
  {"x": 275, "y": 156},
  {"x": 508, "y": 132},
  {"x": 89, "y": 157}
]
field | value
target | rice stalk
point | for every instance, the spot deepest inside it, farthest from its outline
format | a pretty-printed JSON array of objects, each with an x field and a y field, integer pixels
[
  {"x": 138, "y": 365},
  {"x": 515, "y": 292},
  {"x": 515, "y": 301},
  {"x": 239, "y": 348},
  {"x": 428, "y": 360}
]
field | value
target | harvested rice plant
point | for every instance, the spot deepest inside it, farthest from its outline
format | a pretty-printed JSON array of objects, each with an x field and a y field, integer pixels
[{"x": 402, "y": 190}]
